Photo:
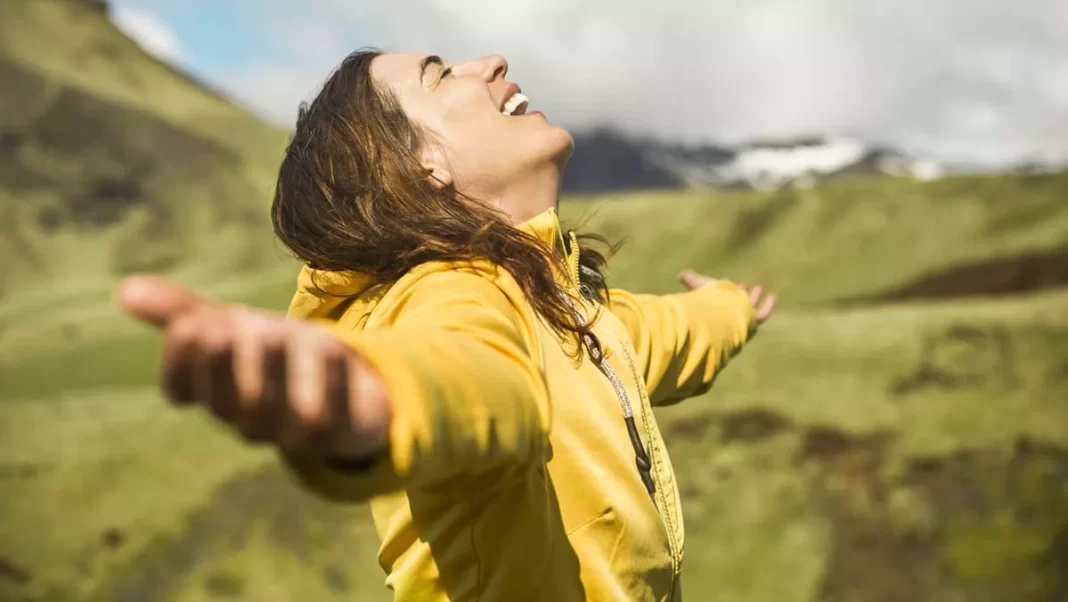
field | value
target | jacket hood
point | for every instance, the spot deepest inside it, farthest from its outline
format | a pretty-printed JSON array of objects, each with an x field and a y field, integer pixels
[{"x": 323, "y": 294}]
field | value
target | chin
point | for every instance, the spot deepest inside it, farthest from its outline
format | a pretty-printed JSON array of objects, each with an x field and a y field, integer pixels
[
  {"x": 563, "y": 145},
  {"x": 550, "y": 147}
]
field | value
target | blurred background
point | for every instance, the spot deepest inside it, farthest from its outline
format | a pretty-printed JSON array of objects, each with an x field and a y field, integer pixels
[{"x": 896, "y": 171}]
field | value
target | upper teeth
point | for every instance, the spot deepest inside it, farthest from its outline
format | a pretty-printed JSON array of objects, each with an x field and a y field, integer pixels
[{"x": 514, "y": 103}]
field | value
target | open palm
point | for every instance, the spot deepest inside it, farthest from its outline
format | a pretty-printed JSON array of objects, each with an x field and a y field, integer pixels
[{"x": 763, "y": 302}]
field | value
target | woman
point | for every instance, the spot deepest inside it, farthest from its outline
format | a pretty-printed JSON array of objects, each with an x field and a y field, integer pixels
[{"x": 460, "y": 362}]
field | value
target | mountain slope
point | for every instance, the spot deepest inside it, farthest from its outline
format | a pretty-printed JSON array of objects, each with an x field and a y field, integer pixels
[
  {"x": 609, "y": 160},
  {"x": 111, "y": 161},
  {"x": 845, "y": 240},
  {"x": 70, "y": 42}
]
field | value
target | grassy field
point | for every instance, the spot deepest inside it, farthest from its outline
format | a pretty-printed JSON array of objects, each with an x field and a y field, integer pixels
[
  {"x": 859, "y": 451},
  {"x": 850, "y": 238}
]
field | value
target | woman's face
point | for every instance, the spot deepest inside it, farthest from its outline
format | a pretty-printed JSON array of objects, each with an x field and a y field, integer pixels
[{"x": 481, "y": 138}]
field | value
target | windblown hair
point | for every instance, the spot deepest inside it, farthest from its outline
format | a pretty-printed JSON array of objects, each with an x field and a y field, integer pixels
[{"x": 352, "y": 195}]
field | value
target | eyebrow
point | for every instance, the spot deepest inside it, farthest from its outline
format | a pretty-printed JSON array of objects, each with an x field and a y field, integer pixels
[{"x": 426, "y": 63}]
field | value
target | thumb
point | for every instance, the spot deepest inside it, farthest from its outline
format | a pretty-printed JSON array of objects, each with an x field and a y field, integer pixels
[
  {"x": 693, "y": 280},
  {"x": 154, "y": 299}
]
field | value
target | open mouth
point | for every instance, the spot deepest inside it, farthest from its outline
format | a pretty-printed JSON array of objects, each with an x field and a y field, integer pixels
[{"x": 516, "y": 104}]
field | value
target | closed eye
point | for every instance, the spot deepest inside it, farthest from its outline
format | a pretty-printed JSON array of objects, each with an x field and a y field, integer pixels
[{"x": 445, "y": 73}]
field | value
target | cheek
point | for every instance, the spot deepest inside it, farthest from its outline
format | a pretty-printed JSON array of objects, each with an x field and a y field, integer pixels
[
  {"x": 467, "y": 104},
  {"x": 469, "y": 127},
  {"x": 453, "y": 121}
]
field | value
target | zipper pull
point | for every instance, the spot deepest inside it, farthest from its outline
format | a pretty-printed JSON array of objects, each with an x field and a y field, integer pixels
[
  {"x": 593, "y": 346},
  {"x": 641, "y": 459}
]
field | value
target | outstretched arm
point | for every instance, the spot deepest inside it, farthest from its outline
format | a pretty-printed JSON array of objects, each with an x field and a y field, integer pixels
[
  {"x": 448, "y": 387},
  {"x": 684, "y": 340}
]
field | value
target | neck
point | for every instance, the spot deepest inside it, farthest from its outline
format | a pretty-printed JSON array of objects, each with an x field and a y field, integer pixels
[{"x": 532, "y": 195}]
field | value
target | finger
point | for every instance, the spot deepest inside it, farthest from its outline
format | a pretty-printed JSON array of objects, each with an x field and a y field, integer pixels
[
  {"x": 250, "y": 335},
  {"x": 216, "y": 370},
  {"x": 692, "y": 280},
  {"x": 754, "y": 295},
  {"x": 266, "y": 421},
  {"x": 339, "y": 422},
  {"x": 326, "y": 427},
  {"x": 177, "y": 367},
  {"x": 306, "y": 355},
  {"x": 360, "y": 419},
  {"x": 765, "y": 309},
  {"x": 368, "y": 403},
  {"x": 155, "y": 300}
]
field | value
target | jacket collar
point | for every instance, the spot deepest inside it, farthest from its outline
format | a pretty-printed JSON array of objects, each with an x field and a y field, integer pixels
[
  {"x": 546, "y": 227},
  {"x": 321, "y": 293}
]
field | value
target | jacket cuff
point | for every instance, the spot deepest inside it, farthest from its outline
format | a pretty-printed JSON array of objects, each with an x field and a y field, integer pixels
[{"x": 343, "y": 481}]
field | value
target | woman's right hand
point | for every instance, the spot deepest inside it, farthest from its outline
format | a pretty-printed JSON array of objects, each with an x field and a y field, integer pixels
[
  {"x": 763, "y": 302},
  {"x": 275, "y": 380}
]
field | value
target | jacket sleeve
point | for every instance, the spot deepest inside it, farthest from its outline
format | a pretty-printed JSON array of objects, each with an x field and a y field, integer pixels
[
  {"x": 683, "y": 340},
  {"x": 467, "y": 394}
]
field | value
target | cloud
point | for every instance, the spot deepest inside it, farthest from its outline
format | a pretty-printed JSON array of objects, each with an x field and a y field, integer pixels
[
  {"x": 274, "y": 91},
  {"x": 305, "y": 43},
  {"x": 974, "y": 80},
  {"x": 149, "y": 31}
]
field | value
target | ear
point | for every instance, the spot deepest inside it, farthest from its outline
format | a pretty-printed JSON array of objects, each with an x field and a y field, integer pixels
[{"x": 434, "y": 162}]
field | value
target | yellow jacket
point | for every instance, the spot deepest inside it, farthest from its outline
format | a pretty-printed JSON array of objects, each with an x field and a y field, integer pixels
[{"x": 510, "y": 473}]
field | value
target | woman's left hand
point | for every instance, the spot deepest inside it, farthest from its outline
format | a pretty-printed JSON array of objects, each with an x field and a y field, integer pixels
[
  {"x": 763, "y": 303},
  {"x": 290, "y": 383}
]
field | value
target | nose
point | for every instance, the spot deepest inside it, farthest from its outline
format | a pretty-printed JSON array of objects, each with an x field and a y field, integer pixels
[
  {"x": 495, "y": 67},
  {"x": 489, "y": 68}
]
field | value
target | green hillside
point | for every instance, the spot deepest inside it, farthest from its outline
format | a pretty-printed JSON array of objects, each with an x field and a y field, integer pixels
[
  {"x": 898, "y": 431},
  {"x": 110, "y": 160},
  {"x": 849, "y": 239},
  {"x": 851, "y": 453},
  {"x": 908, "y": 449}
]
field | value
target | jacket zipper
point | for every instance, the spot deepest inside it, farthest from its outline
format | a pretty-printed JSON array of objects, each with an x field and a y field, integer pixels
[
  {"x": 669, "y": 509},
  {"x": 642, "y": 459}
]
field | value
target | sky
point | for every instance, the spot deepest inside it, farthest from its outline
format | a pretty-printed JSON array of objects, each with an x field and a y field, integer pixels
[{"x": 975, "y": 81}]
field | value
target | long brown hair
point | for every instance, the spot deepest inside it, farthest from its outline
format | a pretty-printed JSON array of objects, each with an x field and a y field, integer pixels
[{"x": 353, "y": 196}]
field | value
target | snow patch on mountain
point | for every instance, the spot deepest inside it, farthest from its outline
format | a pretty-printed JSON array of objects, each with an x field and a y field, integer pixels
[
  {"x": 609, "y": 160},
  {"x": 805, "y": 162}
]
